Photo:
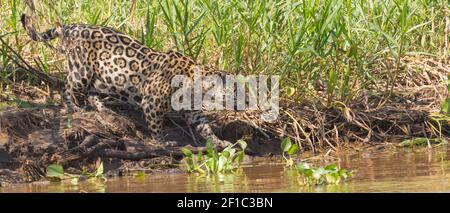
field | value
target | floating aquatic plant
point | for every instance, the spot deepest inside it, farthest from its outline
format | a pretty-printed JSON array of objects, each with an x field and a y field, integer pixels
[
  {"x": 56, "y": 173},
  {"x": 288, "y": 149},
  {"x": 329, "y": 174},
  {"x": 214, "y": 162}
]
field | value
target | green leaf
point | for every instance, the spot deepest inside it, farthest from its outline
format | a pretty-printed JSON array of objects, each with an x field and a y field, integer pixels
[
  {"x": 140, "y": 175},
  {"x": 293, "y": 149},
  {"x": 331, "y": 167},
  {"x": 242, "y": 143},
  {"x": 200, "y": 170},
  {"x": 322, "y": 175},
  {"x": 221, "y": 163},
  {"x": 240, "y": 157},
  {"x": 308, "y": 173},
  {"x": 290, "y": 91},
  {"x": 55, "y": 171},
  {"x": 332, "y": 178},
  {"x": 415, "y": 141},
  {"x": 190, "y": 163},
  {"x": 448, "y": 83},
  {"x": 74, "y": 181},
  {"x": 213, "y": 162},
  {"x": 332, "y": 80},
  {"x": 446, "y": 106},
  {"x": 422, "y": 142},
  {"x": 344, "y": 173},
  {"x": 199, "y": 156},
  {"x": 186, "y": 152},
  {"x": 286, "y": 144},
  {"x": 232, "y": 151},
  {"x": 23, "y": 104},
  {"x": 302, "y": 167},
  {"x": 225, "y": 154},
  {"x": 209, "y": 146},
  {"x": 317, "y": 174},
  {"x": 99, "y": 171},
  {"x": 405, "y": 143}
]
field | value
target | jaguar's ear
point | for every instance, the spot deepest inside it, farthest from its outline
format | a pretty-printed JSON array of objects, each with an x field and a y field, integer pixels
[
  {"x": 25, "y": 20},
  {"x": 58, "y": 24}
]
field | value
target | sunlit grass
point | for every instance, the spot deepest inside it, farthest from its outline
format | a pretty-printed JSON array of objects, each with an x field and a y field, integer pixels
[{"x": 322, "y": 48}]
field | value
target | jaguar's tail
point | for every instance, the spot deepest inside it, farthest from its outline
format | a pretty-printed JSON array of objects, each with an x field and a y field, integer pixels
[{"x": 36, "y": 36}]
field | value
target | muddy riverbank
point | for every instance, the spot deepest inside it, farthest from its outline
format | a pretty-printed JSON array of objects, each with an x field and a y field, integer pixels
[{"x": 34, "y": 137}]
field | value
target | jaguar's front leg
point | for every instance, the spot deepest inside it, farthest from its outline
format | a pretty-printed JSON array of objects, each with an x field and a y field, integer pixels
[
  {"x": 95, "y": 101},
  {"x": 70, "y": 100},
  {"x": 201, "y": 125},
  {"x": 76, "y": 86},
  {"x": 155, "y": 109}
]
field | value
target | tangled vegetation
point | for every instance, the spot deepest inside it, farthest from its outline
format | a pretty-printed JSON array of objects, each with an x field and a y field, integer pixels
[
  {"x": 365, "y": 71},
  {"x": 330, "y": 55},
  {"x": 339, "y": 45}
]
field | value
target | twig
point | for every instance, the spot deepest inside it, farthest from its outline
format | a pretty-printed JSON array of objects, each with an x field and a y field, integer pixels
[
  {"x": 90, "y": 146},
  {"x": 257, "y": 127},
  {"x": 146, "y": 154},
  {"x": 54, "y": 82},
  {"x": 301, "y": 129},
  {"x": 194, "y": 139}
]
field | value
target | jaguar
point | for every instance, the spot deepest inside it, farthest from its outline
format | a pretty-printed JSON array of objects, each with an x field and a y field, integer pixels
[{"x": 103, "y": 63}]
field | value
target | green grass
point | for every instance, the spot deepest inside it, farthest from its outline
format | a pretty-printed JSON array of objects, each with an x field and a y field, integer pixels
[{"x": 312, "y": 44}]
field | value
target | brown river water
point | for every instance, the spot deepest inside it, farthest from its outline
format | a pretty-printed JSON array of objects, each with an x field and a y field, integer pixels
[{"x": 395, "y": 170}]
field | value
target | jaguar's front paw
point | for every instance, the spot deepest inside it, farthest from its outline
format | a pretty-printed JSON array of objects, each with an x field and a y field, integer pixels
[
  {"x": 221, "y": 144},
  {"x": 170, "y": 143},
  {"x": 74, "y": 109},
  {"x": 160, "y": 143}
]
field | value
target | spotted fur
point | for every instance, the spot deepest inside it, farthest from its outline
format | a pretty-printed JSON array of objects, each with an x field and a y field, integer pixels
[{"x": 103, "y": 63}]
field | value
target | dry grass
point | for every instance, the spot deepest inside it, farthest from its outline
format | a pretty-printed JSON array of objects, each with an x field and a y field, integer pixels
[{"x": 409, "y": 112}]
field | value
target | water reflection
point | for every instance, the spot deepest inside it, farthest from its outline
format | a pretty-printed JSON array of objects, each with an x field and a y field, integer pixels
[{"x": 399, "y": 170}]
